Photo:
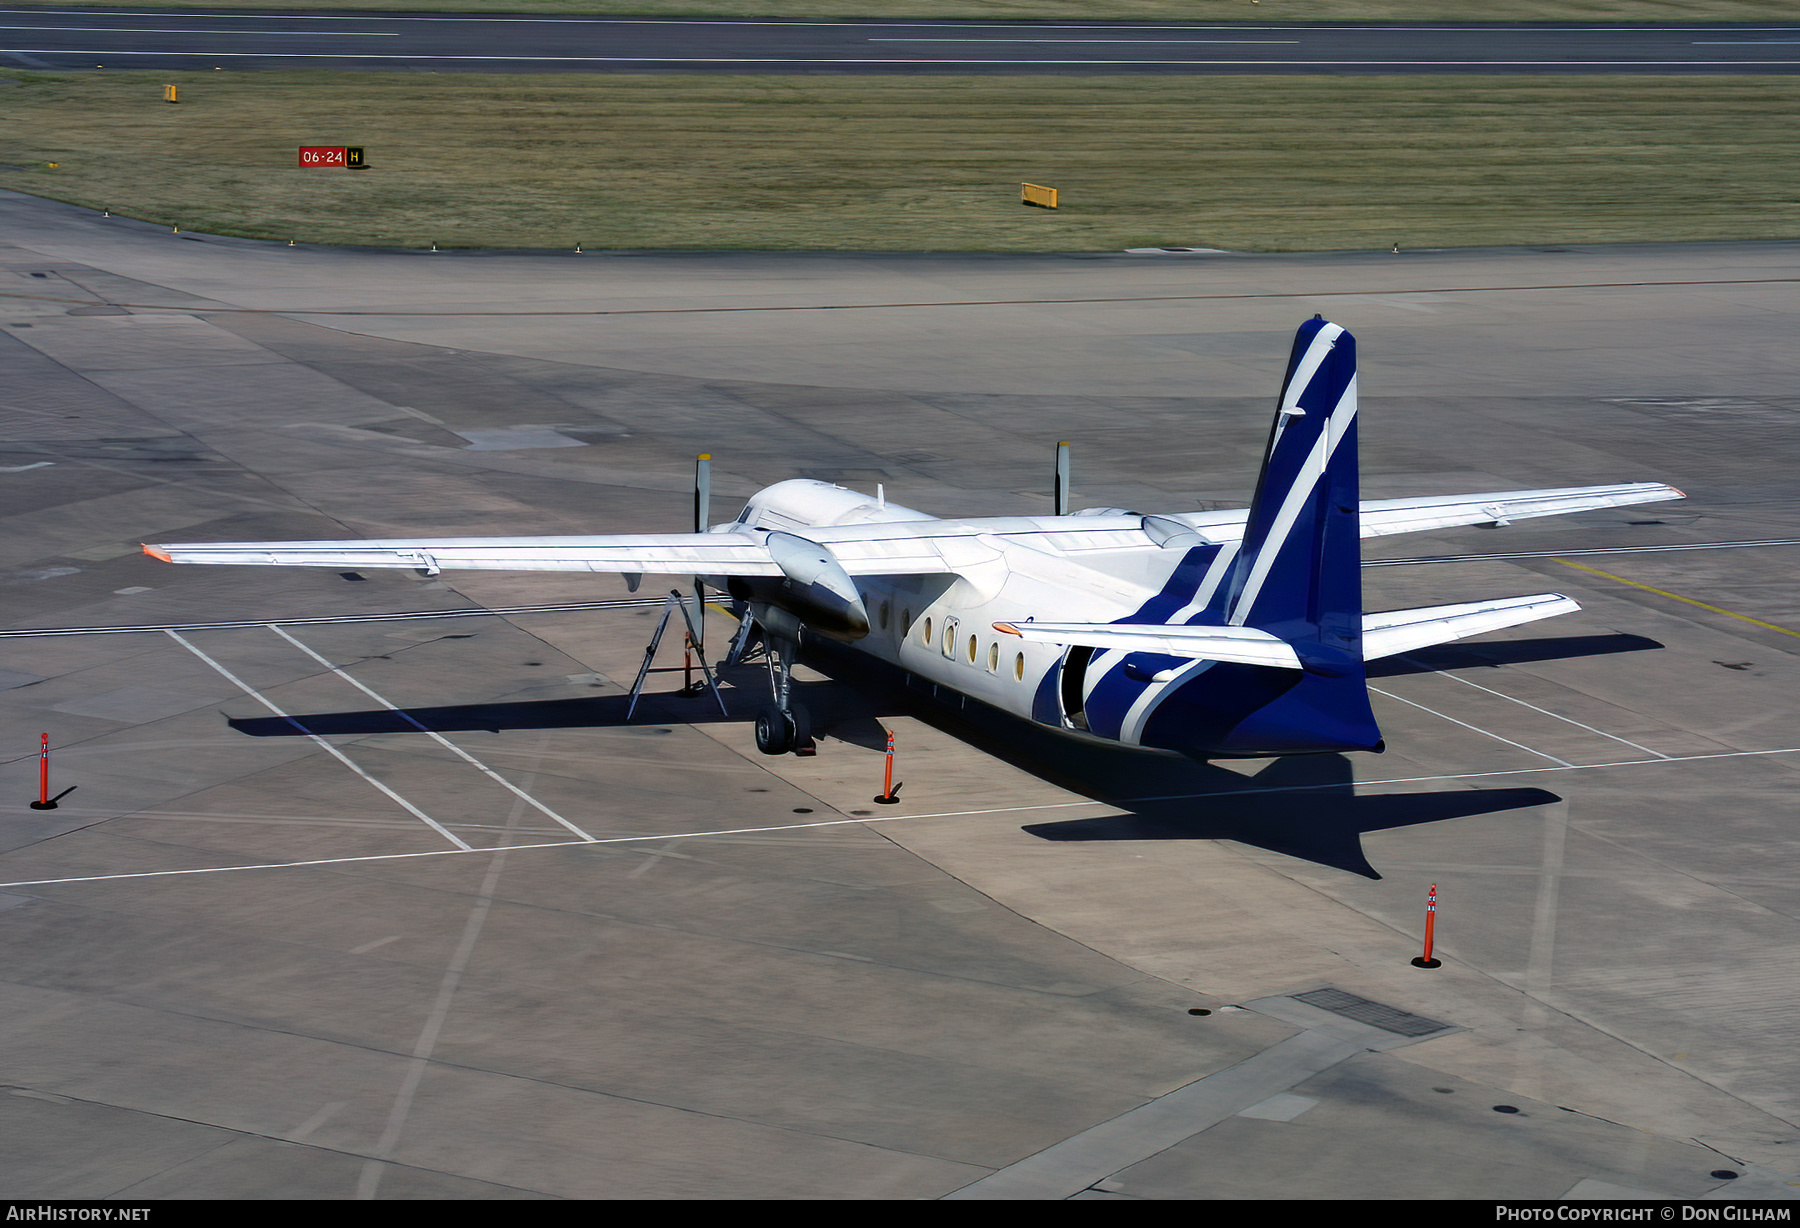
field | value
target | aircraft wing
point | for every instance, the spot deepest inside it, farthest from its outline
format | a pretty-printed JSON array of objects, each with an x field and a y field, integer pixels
[
  {"x": 927, "y": 547},
  {"x": 741, "y": 553},
  {"x": 1381, "y": 517},
  {"x": 727, "y": 554}
]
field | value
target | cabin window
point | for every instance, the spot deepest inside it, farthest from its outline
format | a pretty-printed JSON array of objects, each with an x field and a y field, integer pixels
[
  {"x": 928, "y": 633},
  {"x": 1019, "y": 667},
  {"x": 971, "y": 650},
  {"x": 884, "y": 615},
  {"x": 905, "y": 623},
  {"x": 993, "y": 658},
  {"x": 948, "y": 647}
]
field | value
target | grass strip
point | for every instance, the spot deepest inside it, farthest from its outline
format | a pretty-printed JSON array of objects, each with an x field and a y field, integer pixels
[{"x": 919, "y": 163}]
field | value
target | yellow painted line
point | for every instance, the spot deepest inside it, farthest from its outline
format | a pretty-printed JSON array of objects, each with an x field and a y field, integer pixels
[{"x": 1661, "y": 592}]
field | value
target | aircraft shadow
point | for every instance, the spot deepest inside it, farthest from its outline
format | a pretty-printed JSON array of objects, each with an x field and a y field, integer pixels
[
  {"x": 1323, "y": 824},
  {"x": 602, "y": 711},
  {"x": 1508, "y": 652},
  {"x": 835, "y": 711},
  {"x": 1303, "y": 806}
]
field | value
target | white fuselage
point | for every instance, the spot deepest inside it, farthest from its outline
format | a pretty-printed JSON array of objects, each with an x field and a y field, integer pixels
[{"x": 941, "y": 628}]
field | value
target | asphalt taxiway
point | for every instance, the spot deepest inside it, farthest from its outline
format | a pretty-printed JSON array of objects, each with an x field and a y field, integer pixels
[{"x": 381, "y": 909}]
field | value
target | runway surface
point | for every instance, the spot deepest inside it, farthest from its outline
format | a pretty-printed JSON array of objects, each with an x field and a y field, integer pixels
[
  {"x": 407, "y": 909},
  {"x": 70, "y": 38}
]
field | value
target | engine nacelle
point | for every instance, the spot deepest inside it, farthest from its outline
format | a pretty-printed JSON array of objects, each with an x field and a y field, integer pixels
[{"x": 814, "y": 588}]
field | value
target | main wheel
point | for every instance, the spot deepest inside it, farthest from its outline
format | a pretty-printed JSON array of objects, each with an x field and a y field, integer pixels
[{"x": 774, "y": 731}]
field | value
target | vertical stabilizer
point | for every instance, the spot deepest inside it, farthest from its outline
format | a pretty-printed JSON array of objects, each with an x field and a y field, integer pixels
[
  {"x": 1299, "y": 572},
  {"x": 1298, "y": 577}
]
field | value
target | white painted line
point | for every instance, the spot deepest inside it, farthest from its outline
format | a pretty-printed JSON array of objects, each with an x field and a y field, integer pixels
[
  {"x": 915, "y": 62},
  {"x": 871, "y": 819},
  {"x": 448, "y": 745},
  {"x": 1065, "y": 1169},
  {"x": 328, "y": 747},
  {"x": 910, "y": 25},
  {"x": 655, "y": 856},
  {"x": 1154, "y": 42},
  {"x": 1416, "y": 780},
  {"x": 375, "y": 1166},
  {"x": 251, "y": 33},
  {"x": 1478, "y": 729},
  {"x": 318, "y": 1119},
  {"x": 551, "y": 844},
  {"x": 1559, "y": 716},
  {"x": 166, "y": 15}
]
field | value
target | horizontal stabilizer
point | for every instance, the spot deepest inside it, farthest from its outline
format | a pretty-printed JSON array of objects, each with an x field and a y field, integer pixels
[
  {"x": 1399, "y": 631},
  {"x": 1242, "y": 645},
  {"x": 1383, "y": 634}
]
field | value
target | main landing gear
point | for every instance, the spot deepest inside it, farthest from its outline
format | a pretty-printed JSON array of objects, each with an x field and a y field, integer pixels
[{"x": 782, "y": 726}]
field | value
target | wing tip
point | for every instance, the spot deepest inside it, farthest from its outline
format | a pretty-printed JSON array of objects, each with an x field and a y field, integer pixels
[{"x": 154, "y": 553}]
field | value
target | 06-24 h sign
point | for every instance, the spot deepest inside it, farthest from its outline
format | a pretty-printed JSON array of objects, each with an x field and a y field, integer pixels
[{"x": 314, "y": 157}]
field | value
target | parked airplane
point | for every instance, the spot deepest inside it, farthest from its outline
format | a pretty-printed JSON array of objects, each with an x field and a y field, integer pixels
[{"x": 1215, "y": 634}]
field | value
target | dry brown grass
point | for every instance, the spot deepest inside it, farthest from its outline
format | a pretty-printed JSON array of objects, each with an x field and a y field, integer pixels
[{"x": 921, "y": 163}]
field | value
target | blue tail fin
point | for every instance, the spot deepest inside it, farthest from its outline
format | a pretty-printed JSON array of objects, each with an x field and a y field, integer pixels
[{"x": 1298, "y": 573}]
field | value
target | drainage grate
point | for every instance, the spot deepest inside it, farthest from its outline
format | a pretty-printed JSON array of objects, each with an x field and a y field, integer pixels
[{"x": 1387, "y": 1018}]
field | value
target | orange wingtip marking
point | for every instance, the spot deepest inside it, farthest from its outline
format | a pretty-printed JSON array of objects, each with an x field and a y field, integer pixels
[
  {"x": 154, "y": 553},
  {"x": 1006, "y": 629}
]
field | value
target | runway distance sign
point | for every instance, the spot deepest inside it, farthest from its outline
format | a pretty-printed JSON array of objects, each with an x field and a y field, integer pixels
[{"x": 314, "y": 157}]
